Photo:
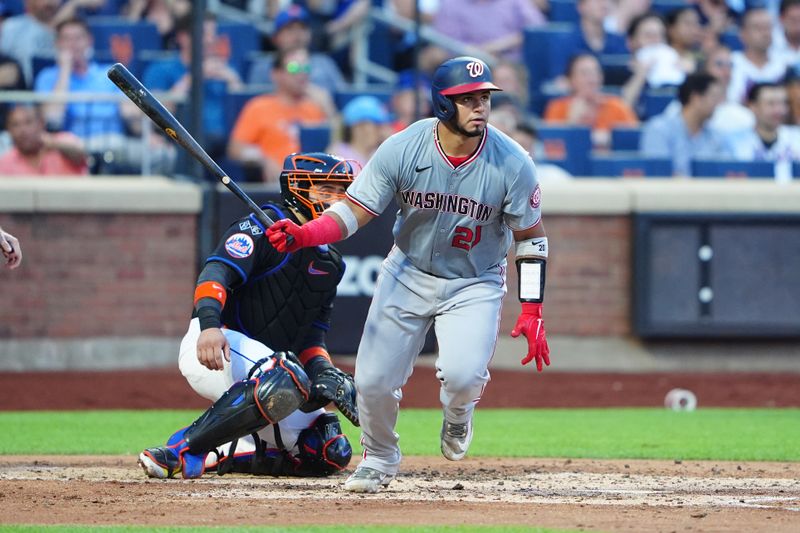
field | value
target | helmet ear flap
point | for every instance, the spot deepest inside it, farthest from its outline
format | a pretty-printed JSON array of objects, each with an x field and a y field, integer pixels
[{"x": 446, "y": 109}]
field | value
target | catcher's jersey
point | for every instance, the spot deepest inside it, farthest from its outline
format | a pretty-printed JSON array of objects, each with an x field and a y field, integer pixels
[
  {"x": 452, "y": 222},
  {"x": 281, "y": 300}
]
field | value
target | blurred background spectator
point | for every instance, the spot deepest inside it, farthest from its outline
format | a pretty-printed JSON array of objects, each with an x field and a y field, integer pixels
[
  {"x": 11, "y": 79},
  {"x": 587, "y": 104},
  {"x": 754, "y": 63},
  {"x": 786, "y": 34},
  {"x": 219, "y": 79},
  {"x": 291, "y": 30},
  {"x": 269, "y": 125},
  {"x": 621, "y": 14},
  {"x": 409, "y": 93},
  {"x": 686, "y": 135},
  {"x": 685, "y": 36},
  {"x": 792, "y": 82},
  {"x": 30, "y": 35},
  {"x": 163, "y": 13},
  {"x": 330, "y": 20},
  {"x": 770, "y": 139},
  {"x": 495, "y": 26},
  {"x": 366, "y": 123},
  {"x": 35, "y": 152},
  {"x": 729, "y": 116}
]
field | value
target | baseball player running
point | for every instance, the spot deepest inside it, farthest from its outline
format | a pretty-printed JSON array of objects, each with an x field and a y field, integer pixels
[
  {"x": 465, "y": 191},
  {"x": 251, "y": 299}
]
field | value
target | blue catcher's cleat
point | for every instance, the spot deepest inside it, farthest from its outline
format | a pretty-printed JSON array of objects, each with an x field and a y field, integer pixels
[{"x": 165, "y": 462}]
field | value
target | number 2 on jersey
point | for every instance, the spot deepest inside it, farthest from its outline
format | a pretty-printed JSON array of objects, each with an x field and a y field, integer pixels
[{"x": 465, "y": 238}]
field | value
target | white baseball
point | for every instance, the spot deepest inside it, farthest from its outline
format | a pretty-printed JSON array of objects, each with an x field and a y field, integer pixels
[{"x": 680, "y": 400}]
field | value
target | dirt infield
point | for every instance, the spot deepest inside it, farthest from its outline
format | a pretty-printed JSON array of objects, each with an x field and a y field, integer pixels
[{"x": 578, "y": 494}]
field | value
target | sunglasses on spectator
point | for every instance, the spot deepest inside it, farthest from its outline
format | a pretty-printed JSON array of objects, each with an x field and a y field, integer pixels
[{"x": 293, "y": 67}]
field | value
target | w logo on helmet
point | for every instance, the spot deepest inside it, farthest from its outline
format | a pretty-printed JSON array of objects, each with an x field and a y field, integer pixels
[{"x": 475, "y": 68}]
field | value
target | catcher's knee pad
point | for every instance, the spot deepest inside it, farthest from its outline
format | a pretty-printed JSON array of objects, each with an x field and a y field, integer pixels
[
  {"x": 323, "y": 447},
  {"x": 278, "y": 387}
]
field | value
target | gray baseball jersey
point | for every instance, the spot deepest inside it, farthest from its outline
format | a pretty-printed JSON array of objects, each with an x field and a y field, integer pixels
[{"x": 452, "y": 222}]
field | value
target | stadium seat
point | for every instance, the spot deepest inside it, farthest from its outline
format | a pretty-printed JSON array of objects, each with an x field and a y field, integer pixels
[
  {"x": 725, "y": 168},
  {"x": 12, "y": 7},
  {"x": 563, "y": 11},
  {"x": 625, "y": 138},
  {"x": 315, "y": 138},
  {"x": 243, "y": 39},
  {"x": 796, "y": 170},
  {"x": 628, "y": 165},
  {"x": 615, "y": 68},
  {"x": 665, "y": 6},
  {"x": 543, "y": 52},
  {"x": 731, "y": 40},
  {"x": 567, "y": 146},
  {"x": 143, "y": 35},
  {"x": 235, "y": 101},
  {"x": 381, "y": 92},
  {"x": 655, "y": 101}
]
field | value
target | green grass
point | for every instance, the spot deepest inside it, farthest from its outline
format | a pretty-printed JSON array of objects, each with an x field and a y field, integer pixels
[{"x": 641, "y": 433}]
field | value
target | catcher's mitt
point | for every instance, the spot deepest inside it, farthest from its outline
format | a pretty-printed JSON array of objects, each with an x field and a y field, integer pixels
[{"x": 333, "y": 385}]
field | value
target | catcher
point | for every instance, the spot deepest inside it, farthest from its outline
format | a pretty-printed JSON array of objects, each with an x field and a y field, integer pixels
[{"x": 254, "y": 309}]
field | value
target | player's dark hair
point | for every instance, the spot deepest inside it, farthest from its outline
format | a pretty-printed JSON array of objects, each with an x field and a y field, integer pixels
[{"x": 696, "y": 83}]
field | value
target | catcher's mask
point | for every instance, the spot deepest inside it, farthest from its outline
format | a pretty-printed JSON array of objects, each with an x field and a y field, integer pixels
[
  {"x": 310, "y": 181},
  {"x": 456, "y": 76}
]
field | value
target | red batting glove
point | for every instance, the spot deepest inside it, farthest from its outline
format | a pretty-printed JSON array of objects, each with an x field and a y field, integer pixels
[
  {"x": 531, "y": 325},
  {"x": 280, "y": 232},
  {"x": 286, "y": 236}
]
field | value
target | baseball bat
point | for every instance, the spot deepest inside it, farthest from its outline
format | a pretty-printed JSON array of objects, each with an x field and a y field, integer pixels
[{"x": 154, "y": 109}]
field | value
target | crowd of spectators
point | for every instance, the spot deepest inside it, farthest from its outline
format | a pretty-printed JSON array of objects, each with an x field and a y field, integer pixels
[{"x": 696, "y": 79}]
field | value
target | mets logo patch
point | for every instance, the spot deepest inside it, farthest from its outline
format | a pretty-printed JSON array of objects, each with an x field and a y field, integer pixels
[
  {"x": 536, "y": 198},
  {"x": 239, "y": 245}
]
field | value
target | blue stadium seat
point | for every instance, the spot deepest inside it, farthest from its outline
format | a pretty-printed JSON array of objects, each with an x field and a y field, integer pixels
[
  {"x": 12, "y": 7},
  {"x": 315, "y": 138},
  {"x": 543, "y": 51},
  {"x": 381, "y": 92},
  {"x": 628, "y": 165},
  {"x": 615, "y": 68},
  {"x": 654, "y": 101},
  {"x": 625, "y": 138},
  {"x": 567, "y": 146},
  {"x": 563, "y": 11},
  {"x": 244, "y": 39},
  {"x": 235, "y": 101},
  {"x": 665, "y": 6},
  {"x": 731, "y": 40},
  {"x": 144, "y": 35},
  {"x": 725, "y": 168},
  {"x": 796, "y": 170}
]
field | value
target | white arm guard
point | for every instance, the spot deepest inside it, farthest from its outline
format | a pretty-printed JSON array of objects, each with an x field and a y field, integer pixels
[
  {"x": 344, "y": 212},
  {"x": 531, "y": 263}
]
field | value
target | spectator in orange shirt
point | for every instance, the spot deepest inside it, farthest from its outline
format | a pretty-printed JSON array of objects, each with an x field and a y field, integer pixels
[
  {"x": 587, "y": 105},
  {"x": 268, "y": 127},
  {"x": 36, "y": 152}
]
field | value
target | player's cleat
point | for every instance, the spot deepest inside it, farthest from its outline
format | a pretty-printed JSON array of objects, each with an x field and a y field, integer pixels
[
  {"x": 456, "y": 439},
  {"x": 160, "y": 462},
  {"x": 366, "y": 479}
]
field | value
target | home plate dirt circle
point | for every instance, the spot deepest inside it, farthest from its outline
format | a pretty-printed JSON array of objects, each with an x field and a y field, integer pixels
[{"x": 582, "y": 494}]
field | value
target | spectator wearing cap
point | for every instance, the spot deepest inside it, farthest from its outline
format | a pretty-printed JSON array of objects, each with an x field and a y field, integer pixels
[
  {"x": 770, "y": 139},
  {"x": 792, "y": 83},
  {"x": 366, "y": 123},
  {"x": 269, "y": 125},
  {"x": 291, "y": 30}
]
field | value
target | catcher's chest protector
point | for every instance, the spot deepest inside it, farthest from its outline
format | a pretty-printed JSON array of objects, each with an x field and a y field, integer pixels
[{"x": 278, "y": 306}]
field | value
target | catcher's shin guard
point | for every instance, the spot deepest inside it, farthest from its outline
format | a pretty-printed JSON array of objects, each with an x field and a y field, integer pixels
[{"x": 278, "y": 389}]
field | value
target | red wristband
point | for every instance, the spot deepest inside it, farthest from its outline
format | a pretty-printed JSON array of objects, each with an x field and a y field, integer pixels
[
  {"x": 322, "y": 230},
  {"x": 531, "y": 308}
]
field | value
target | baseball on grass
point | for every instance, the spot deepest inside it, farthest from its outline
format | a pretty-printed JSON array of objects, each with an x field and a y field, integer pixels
[{"x": 680, "y": 400}]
